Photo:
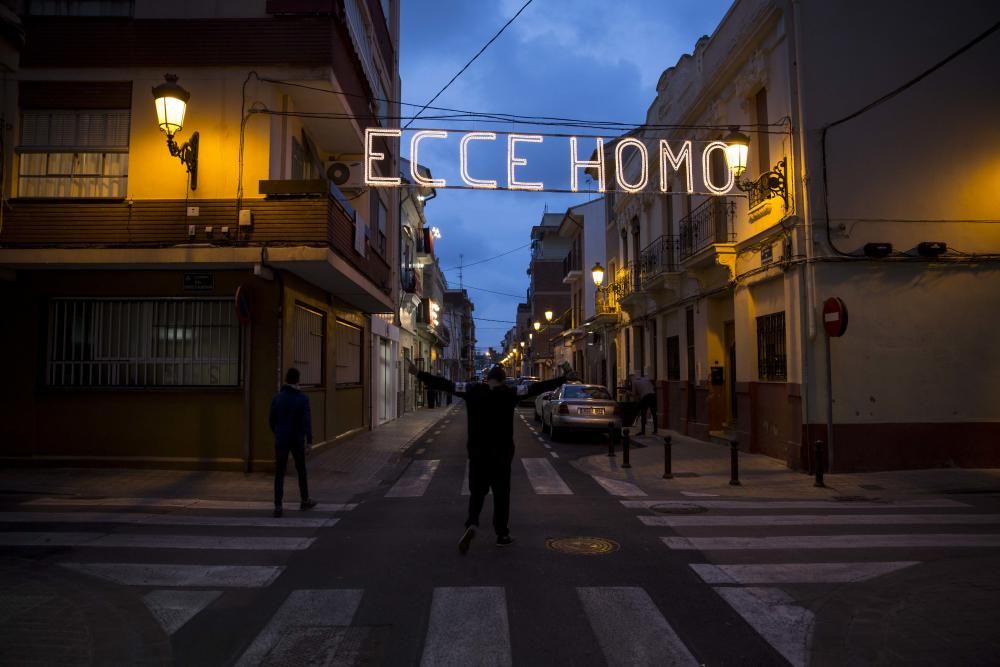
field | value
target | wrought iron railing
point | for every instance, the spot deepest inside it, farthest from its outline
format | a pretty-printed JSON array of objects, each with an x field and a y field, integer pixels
[
  {"x": 625, "y": 282},
  {"x": 659, "y": 257},
  {"x": 605, "y": 302},
  {"x": 768, "y": 185},
  {"x": 709, "y": 223}
]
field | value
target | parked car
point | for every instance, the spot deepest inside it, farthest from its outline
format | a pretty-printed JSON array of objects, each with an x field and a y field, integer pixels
[
  {"x": 540, "y": 402},
  {"x": 522, "y": 386},
  {"x": 580, "y": 407}
]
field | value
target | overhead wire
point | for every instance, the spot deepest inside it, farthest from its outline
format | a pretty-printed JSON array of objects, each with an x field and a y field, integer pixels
[{"x": 488, "y": 259}]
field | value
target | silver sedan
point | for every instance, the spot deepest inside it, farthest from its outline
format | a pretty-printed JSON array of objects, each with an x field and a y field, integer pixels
[{"x": 580, "y": 406}]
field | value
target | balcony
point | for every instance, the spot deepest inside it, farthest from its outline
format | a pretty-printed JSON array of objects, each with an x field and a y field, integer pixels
[
  {"x": 658, "y": 265},
  {"x": 572, "y": 271},
  {"x": 309, "y": 229},
  {"x": 606, "y": 307},
  {"x": 709, "y": 226},
  {"x": 425, "y": 246}
]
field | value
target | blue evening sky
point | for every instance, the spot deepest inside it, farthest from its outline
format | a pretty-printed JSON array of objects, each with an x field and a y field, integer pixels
[{"x": 590, "y": 59}]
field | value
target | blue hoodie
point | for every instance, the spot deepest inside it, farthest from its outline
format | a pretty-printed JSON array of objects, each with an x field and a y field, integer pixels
[{"x": 290, "y": 419}]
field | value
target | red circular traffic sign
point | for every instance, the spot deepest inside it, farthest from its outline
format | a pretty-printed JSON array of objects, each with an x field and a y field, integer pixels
[{"x": 834, "y": 317}]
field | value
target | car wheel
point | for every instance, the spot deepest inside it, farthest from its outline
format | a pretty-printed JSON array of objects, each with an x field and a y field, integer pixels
[{"x": 538, "y": 417}]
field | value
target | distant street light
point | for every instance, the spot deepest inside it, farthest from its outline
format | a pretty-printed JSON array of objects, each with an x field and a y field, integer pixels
[
  {"x": 537, "y": 325},
  {"x": 598, "y": 274},
  {"x": 548, "y": 315}
]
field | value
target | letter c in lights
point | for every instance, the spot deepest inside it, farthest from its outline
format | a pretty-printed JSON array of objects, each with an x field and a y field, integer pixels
[
  {"x": 415, "y": 158},
  {"x": 464, "y": 160}
]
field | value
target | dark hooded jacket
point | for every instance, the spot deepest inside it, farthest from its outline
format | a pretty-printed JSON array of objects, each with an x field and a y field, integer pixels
[
  {"x": 490, "y": 412},
  {"x": 290, "y": 418}
]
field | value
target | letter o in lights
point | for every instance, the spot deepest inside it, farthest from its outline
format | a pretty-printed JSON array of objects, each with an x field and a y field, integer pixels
[
  {"x": 620, "y": 147},
  {"x": 706, "y": 168}
]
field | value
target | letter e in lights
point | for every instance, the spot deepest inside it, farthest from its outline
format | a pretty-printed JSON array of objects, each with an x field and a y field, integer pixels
[
  {"x": 372, "y": 156},
  {"x": 513, "y": 161}
]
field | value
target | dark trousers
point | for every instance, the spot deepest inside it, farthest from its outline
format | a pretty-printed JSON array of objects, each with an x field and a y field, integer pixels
[
  {"x": 281, "y": 453},
  {"x": 485, "y": 473},
  {"x": 648, "y": 402}
]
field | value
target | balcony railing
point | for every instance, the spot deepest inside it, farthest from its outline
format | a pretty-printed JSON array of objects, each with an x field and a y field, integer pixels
[
  {"x": 410, "y": 280},
  {"x": 571, "y": 263},
  {"x": 709, "y": 223},
  {"x": 625, "y": 282},
  {"x": 605, "y": 302},
  {"x": 659, "y": 257}
]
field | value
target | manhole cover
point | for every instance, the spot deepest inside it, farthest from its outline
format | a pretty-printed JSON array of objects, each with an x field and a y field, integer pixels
[
  {"x": 678, "y": 508},
  {"x": 582, "y": 546}
]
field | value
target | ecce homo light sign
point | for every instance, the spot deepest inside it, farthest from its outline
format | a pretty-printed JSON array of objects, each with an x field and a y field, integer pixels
[{"x": 678, "y": 156}]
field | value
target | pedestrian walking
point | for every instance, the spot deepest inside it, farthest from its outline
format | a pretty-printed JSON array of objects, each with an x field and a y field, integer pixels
[
  {"x": 490, "y": 413},
  {"x": 644, "y": 392},
  {"x": 291, "y": 423}
]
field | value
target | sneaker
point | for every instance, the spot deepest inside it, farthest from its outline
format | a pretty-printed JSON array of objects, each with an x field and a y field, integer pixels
[
  {"x": 505, "y": 541},
  {"x": 278, "y": 512},
  {"x": 307, "y": 504},
  {"x": 463, "y": 544}
]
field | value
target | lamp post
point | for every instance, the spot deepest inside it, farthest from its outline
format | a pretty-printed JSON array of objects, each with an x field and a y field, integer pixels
[
  {"x": 171, "y": 100},
  {"x": 597, "y": 273},
  {"x": 737, "y": 149}
]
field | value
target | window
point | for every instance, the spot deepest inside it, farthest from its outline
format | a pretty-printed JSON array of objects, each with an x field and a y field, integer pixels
[
  {"x": 381, "y": 215},
  {"x": 673, "y": 357},
  {"x": 763, "y": 138},
  {"x": 771, "y": 347},
  {"x": 80, "y": 7},
  {"x": 307, "y": 348},
  {"x": 348, "y": 353},
  {"x": 142, "y": 343},
  {"x": 74, "y": 153},
  {"x": 584, "y": 391}
]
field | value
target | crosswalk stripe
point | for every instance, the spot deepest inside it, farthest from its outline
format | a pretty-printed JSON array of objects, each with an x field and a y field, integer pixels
[
  {"x": 468, "y": 626},
  {"x": 305, "y": 614},
  {"x": 178, "y": 576},
  {"x": 934, "y": 540},
  {"x": 172, "y": 609},
  {"x": 180, "y": 503},
  {"x": 797, "y": 573},
  {"x": 164, "y": 519},
  {"x": 544, "y": 478},
  {"x": 793, "y": 504},
  {"x": 617, "y": 487},
  {"x": 553, "y": 455},
  {"x": 822, "y": 519},
  {"x": 630, "y": 629},
  {"x": 776, "y": 617},
  {"x": 113, "y": 540},
  {"x": 415, "y": 480}
]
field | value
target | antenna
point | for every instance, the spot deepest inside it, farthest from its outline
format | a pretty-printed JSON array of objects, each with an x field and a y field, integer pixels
[{"x": 461, "y": 261}]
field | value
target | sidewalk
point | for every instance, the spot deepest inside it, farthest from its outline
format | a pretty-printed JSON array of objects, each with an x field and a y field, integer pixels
[
  {"x": 703, "y": 467},
  {"x": 336, "y": 473}
]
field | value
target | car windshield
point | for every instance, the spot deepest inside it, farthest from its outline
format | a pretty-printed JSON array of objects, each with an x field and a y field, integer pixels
[{"x": 582, "y": 391}]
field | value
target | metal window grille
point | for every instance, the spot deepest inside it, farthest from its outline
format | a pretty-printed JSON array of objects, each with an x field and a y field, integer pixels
[
  {"x": 771, "y": 364},
  {"x": 307, "y": 353},
  {"x": 143, "y": 343}
]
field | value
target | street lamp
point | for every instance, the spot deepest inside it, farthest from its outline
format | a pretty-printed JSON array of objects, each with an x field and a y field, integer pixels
[
  {"x": 598, "y": 274},
  {"x": 548, "y": 315},
  {"x": 522, "y": 343},
  {"x": 170, "y": 100},
  {"x": 537, "y": 325},
  {"x": 775, "y": 183}
]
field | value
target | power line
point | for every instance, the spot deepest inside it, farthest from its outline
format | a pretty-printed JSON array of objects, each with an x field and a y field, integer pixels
[
  {"x": 486, "y": 319},
  {"x": 466, "y": 66},
  {"x": 488, "y": 259},
  {"x": 483, "y": 289}
]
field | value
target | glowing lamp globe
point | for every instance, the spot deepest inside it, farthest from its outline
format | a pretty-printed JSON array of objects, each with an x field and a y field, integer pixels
[
  {"x": 537, "y": 326},
  {"x": 598, "y": 274},
  {"x": 170, "y": 100},
  {"x": 548, "y": 315},
  {"x": 737, "y": 147}
]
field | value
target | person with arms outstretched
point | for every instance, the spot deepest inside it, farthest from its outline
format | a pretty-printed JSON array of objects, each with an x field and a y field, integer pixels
[{"x": 490, "y": 412}]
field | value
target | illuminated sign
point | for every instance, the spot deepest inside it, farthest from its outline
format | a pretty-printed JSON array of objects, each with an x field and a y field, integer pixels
[{"x": 640, "y": 164}]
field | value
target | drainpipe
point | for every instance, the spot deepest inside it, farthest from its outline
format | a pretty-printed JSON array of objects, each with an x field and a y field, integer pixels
[{"x": 807, "y": 277}]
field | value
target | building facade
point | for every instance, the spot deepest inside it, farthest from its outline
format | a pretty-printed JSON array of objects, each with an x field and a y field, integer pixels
[
  {"x": 460, "y": 353},
  {"x": 159, "y": 302}
]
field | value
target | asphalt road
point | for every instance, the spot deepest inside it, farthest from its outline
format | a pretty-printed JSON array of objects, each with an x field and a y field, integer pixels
[{"x": 688, "y": 579}]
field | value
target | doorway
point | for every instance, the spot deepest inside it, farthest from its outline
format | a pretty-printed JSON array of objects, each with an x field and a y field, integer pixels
[{"x": 729, "y": 339}]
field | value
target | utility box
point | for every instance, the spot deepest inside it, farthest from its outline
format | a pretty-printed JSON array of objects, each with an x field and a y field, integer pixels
[{"x": 246, "y": 217}]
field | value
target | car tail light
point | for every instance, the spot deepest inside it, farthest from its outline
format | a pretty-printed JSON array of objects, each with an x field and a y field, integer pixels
[{"x": 563, "y": 409}]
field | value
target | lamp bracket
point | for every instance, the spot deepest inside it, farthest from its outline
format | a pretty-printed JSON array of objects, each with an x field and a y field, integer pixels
[
  {"x": 187, "y": 153},
  {"x": 767, "y": 185}
]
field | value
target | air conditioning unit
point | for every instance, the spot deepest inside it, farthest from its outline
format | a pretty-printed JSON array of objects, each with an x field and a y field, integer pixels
[{"x": 346, "y": 175}]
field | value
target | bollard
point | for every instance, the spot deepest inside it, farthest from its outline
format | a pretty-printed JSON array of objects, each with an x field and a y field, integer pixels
[
  {"x": 668, "y": 469},
  {"x": 625, "y": 442},
  {"x": 611, "y": 441},
  {"x": 819, "y": 464},
  {"x": 734, "y": 462}
]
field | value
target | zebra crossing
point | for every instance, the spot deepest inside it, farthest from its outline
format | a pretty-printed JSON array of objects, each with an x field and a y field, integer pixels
[
  {"x": 794, "y": 548},
  {"x": 543, "y": 478},
  {"x": 466, "y": 625},
  {"x": 115, "y": 539}
]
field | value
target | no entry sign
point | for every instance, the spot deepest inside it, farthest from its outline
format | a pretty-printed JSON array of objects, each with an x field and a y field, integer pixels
[{"x": 834, "y": 317}]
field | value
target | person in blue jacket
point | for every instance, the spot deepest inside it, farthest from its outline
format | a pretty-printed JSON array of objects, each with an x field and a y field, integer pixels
[{"x": 291, "y": 423}]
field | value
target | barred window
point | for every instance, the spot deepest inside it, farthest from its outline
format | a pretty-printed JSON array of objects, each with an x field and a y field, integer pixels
[
  {"x": 673, "y": 357},
  {"x": 307, "y": 353},
  {"x": 73, "y": 153},
  {"x": 348, "y": 353},
  {"x": 143, "y": 343},
  {"x": 771, "y": 347}
]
